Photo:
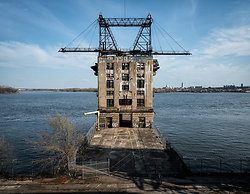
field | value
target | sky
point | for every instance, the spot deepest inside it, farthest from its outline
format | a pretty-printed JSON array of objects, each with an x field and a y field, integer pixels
[{"x": 217, "y": 33}]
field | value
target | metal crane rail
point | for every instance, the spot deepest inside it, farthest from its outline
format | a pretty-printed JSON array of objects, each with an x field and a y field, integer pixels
[{"x": 122, "y": 52}]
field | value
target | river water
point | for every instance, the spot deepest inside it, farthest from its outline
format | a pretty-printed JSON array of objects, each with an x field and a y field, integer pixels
[{"x": 210, "y": 130}]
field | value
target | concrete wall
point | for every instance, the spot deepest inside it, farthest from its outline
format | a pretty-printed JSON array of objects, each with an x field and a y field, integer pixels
[{"x": 117, "y": 72}]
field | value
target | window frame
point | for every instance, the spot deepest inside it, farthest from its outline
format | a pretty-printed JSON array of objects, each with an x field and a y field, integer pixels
[
  {"x": 140, "y": 102},
  {"x": 110, "y": 75},
  {"x": 125, "y": 102},
  {"x": 125, "y": 77},
  {"x": 140, "y": 83},
  {"x": 110, "y": 66},
  {"x": 110, "y": 93},
  {"x": 140, "y": 92},
  {"x": 110, "y": 84},
  {"x": 140, "y": 66},
  {"x": 125, "y": 66},
  {"x": 110, "y": 102},
  {"x": 125, "y": 87}
]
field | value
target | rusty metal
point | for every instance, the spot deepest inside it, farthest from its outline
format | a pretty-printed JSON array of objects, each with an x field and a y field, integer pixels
[{"x": 108, "y": 45}]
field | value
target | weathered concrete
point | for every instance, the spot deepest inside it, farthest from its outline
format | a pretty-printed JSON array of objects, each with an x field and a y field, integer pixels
[
  {"x": 194, "y": 184},
  {"x": 132, "y": 151},
  {"x": 125, "y": 90}
]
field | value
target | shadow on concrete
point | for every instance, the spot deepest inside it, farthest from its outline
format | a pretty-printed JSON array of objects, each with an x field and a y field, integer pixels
[{"x": 149, "y": 163}]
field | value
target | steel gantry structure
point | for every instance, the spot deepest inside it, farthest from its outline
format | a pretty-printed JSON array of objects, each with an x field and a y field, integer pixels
[{"x": 108, "y": 45}]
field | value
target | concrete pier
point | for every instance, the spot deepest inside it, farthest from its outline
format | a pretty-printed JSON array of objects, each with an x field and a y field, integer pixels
[{"x": 132, "y": 152}]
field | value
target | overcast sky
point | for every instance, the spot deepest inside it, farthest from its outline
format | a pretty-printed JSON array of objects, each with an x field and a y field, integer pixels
[{"x": 217, "y": 32}]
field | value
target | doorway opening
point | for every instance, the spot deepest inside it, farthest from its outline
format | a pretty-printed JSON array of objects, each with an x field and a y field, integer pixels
[
  {"x": 109, "y": 122},
  {"x": 125, "y": 120},
  {"x": 142, "y": 122}
]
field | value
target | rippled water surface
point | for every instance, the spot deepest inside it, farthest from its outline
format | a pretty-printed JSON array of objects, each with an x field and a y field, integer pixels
[{"x": 207, "y": 126}]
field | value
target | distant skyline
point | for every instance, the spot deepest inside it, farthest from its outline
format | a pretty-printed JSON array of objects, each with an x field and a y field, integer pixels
[{"x": 32, "y": 31}]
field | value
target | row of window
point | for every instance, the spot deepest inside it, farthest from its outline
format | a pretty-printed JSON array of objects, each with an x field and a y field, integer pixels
[
  {"x": 125, "y": 66},
  {"x": 110, "y": 84},
  {"x": 125, "y": 76},
  {"x": 110, "y": 93},
  {"x": 140, "y": 102}
]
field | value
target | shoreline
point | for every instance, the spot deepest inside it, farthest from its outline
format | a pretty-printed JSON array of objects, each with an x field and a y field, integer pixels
[{"x": 156, "y": 90}]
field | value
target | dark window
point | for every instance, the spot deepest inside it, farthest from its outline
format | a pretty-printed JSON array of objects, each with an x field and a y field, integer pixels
[
  {"x": 125, "y": 66},
  {"x": 140, "y": 66},
  {"x": 140, "y": 83},
  {"x": 125, "y": 87},
  {"x": 110, "y": 75},
  {"x": 110, "y": 66},
  {"x": 140, "y": 102},
  {"x": 110, "y": 83},
  {"x": 140, "y": 75},
  {"x": 125, "y": 77},
  {"x": 125, "y": 101},
  {"x": 109, "y": 93},
  {"x": 140, "y": 92},
  {"x": 110, "y": 102}
]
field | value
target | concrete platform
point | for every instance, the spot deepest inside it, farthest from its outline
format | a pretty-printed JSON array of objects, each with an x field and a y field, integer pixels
[{"x": 131, "y": 151}]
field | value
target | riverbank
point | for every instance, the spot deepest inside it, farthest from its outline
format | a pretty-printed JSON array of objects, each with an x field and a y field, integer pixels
[
  {"x": 201, "y": 90},
  {"x": 64, "y": 90},
  {"x": 8, "y": 90},
  {"x": 156, "y": 90}
]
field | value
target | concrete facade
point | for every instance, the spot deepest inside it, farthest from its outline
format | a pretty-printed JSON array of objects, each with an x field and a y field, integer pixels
[{"x": 125, "y": 90}]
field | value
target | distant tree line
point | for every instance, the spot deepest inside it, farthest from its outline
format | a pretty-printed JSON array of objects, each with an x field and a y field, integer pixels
[
  {"x": 65, "y": 90},
  {"x": 197, "y": 90},
  {"x": 7, "y": 90}
]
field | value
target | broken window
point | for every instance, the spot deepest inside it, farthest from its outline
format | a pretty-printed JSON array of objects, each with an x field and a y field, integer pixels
[
  {"x": 125, "y": 77},
  {"x": 110, "y": 102},
  {"x": 140, "y": 92},
  {"x": 140, "y": 66},
  {"x": 110, "y": 66},
  {"x": 110, "y": 75},
  {"x": 140, "y": 83},
  {"x": 125, "y": 101},
  {"x": 140, "y": 75},
  {"x": 140, "y": 102},
  {"x": 125, "y": 87},
  {"x": 109, "y": 93},
  {"x": 125, "y": 66},
  {"x": 110, "y": 83}
]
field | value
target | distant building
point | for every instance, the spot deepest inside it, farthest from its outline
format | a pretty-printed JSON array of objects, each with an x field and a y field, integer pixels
[
  {"x": 229, "y": 86},
  {"x": 182, "y": 85},
  {"x": 199, "y": 87},
  {"x": 168, "y": 87}
]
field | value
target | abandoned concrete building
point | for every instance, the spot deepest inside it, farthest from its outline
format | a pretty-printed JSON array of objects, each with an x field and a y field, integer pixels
[
  {"x": 125, "y": 90},
  {"x": 125, "y": 77}
]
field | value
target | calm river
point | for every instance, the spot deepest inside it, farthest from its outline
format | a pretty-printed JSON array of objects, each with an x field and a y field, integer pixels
[{"x": 210, "y": 130}]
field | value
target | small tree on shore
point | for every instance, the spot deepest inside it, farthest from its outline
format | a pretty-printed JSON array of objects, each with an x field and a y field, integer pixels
[
  {"x": 7, "y": 156},
  {"x": 60, "y": 145}
]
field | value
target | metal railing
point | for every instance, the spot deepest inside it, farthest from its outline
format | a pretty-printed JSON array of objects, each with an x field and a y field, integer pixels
[
  {"x": 90, "y": 133},
  {"x": 216, "y": 165},
  {"x": 95, "y": 168},
  {"x": 165, "y": 142}
]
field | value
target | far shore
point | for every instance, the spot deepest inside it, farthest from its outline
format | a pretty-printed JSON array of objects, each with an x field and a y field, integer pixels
[
  {"x": 8, "y": 90},
  {"x": 156, "y": 90},
  {"x": 64, "y": 90}
]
